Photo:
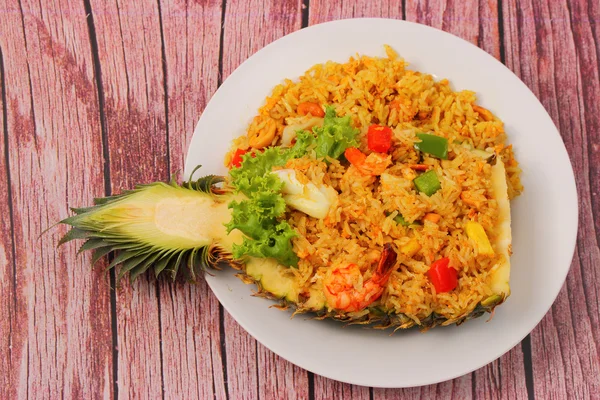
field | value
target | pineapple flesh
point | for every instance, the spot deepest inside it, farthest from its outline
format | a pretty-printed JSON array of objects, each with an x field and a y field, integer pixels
[{"x": 160, "y": 226}]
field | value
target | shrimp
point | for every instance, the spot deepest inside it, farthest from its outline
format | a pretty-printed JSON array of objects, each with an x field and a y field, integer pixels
[
  {"x": 262, "y": 131},
  {"x": 340, "y": 284},
  {"x": 372, "y": 165},
  {"x": 375, "y": 164}
]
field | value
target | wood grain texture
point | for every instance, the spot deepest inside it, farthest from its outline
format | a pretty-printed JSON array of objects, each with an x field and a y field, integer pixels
[
  {"x": 322, "y": 10},
  {"x": 8, "y": 307},
  {"x": 60, "y": 320},
  {"x": 129, "y": 50},
  {"x": 252, "y": 370},
  {"x": 191, "y": 341},
  {"x": 159, "y": 65},
  {"x": 252, "y": 24},
  {"x": 552, "y": 47},
  {"x": 474, "y": 21},
  {"x": 329, "y": 389},
  {"x": 459, "y": 389}
]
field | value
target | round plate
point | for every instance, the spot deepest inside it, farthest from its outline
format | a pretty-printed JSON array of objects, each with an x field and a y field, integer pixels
[{"x": 544, "y": 216}]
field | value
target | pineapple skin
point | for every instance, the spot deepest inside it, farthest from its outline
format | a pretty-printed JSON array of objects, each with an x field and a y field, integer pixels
[{"x": 376, "y": 318}]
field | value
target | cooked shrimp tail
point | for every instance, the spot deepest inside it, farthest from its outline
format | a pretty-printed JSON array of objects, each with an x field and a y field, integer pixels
[
  {"x": 386, "y": 262},
  {"x": 340, "y": 283}
]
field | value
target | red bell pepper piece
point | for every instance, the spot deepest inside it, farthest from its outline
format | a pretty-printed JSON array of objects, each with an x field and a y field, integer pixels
[
  {"x": 379, "y": 138},
  {"x": 236, "y": 160},
  {"x": 443, "y": 277}
]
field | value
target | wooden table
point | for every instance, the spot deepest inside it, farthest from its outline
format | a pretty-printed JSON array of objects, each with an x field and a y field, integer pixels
[{"x": 99, "y": 95}]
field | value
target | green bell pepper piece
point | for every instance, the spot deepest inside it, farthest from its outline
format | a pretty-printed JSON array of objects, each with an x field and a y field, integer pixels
[
  {"x": 427, "y": 183},
  {"x": 399, "y": 219},
  {"x": 435, "y": 145}
]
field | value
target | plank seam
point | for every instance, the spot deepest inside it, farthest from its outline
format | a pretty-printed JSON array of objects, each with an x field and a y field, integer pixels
[
  {"x": 221, "y": 42},
  {"x": 107, "y": 188},
  {"x": 304, "y": 12},
  {"x": 223, "y": 349},
  {"x": 311, "y": 386},
  {"x": 480, "y": 32},
  {"x": 10, "y": 204},
  {"x": 501, "y": 32},
  {"x": 305, "y": 18},
  {"x": 473, "y": 385},
  {"x": 163, "y": 54},
  {"x": 525, "y": 343},
  {"x": 404, "y": 10},
  {"x": 222, "y": 338},
  {"x": 166, "y": 101},
  {"x": 256, "y": 349},
  {"x": 526, "y": 348}
]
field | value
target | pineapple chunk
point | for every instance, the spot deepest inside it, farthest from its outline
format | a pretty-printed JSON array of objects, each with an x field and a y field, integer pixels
[
  {"x": 279, "y": 282},
  {"x": 273, "y": 277},
  {"x": 476, "y": 233},
  {"x": 501, "y": 274},
  {"x": 411, "y": 248}
]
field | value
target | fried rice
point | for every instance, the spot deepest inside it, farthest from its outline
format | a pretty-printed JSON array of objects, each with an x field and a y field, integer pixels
[{"x": 385, "y": 91}]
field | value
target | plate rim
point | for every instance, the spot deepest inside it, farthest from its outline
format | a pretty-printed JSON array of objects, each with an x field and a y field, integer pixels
[{"x": 571, "y": 245}]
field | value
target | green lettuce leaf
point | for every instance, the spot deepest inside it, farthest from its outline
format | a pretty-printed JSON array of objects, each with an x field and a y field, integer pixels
[
  {"x": 277, "y": 244},
  {"x": 253, "y": 174},
  {"x": 335, "y": 136},
  {"x": 259, "y": 216}
]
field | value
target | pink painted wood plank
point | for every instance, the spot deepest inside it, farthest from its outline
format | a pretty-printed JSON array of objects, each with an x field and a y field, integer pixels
[
  {"x": 191, "y": 341},
  {"x": 192, "y": 359},
  {"x": 329, "y": 389},
  {"x": 285, "y": 380},
  {"x": 502, "y": 379},
  {"x": 590, "y": 30},
  {"x": 60, "y": 326},
  {"x": 249, "y": 26},
  {"x": 322, "y": 10},
  {"x": 252, "y": 24},
  {"x": 586, "y": 34},
  {"x": 129, "y": 49},
  {"x": 475, "y": 21},
  {"x": 550, "y": 45},
  {"x": 459, "y": 389},
  {"x": 8, "y": 307},
  {"x": 242, "y": 361}
]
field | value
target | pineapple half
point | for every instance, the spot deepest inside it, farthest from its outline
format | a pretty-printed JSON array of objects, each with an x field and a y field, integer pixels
[{"x": 180, "y": 230}]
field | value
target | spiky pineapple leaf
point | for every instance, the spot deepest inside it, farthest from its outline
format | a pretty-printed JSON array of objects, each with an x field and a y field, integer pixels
[
  {"x": 149, "y": 227},
  {"x": 99, "y": 253}
]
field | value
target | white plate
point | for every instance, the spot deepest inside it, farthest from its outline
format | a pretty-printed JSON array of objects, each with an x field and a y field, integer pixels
[{"x": 544, "y": 217}]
